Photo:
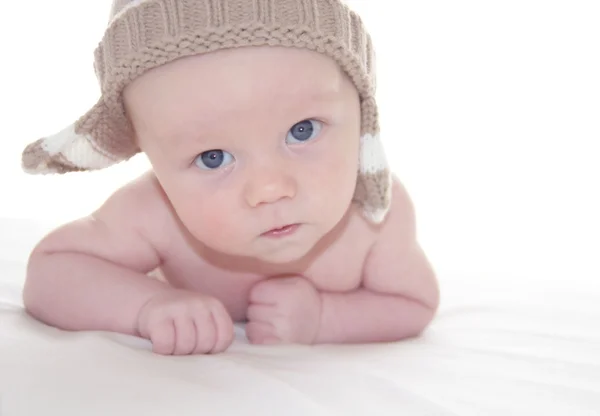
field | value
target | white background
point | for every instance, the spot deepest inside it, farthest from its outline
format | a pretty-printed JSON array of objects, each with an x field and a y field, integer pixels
[{"x": 490, "y": 115}]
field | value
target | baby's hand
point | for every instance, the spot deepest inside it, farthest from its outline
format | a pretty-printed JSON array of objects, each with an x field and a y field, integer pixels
[
  {"x": 179, "y": 322},
  {"x": 283, "y": 310}
]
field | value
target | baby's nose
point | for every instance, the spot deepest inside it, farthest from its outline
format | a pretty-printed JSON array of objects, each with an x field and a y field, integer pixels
[{"x": 267, "y": 186}]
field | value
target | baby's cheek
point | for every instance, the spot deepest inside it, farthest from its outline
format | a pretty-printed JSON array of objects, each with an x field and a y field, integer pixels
[
  {"x": 340, "y": 174},
  {"x": 211, "y": 224}
]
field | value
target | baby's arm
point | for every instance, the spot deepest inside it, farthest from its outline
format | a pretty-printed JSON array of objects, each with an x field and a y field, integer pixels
[
  {"x": 90, "y": 274},
  {"x": 399, "y": 295}
]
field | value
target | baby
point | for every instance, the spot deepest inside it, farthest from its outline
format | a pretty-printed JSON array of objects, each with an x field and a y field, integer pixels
[{"x": 269, "y": 200}]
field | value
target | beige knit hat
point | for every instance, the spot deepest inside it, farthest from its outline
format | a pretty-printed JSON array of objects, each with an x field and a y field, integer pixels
[{"x": 143, "y": 34}]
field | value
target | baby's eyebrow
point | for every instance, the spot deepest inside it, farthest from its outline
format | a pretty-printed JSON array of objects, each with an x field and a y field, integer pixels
[
  {"x": 322, "y": 93},
  {"x": 322, "y": 101},
  {"x": 306, "y": 102}
]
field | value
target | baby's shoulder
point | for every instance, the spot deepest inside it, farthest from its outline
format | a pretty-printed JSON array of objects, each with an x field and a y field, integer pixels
[
  {"x": 139, "y": 200},
  {"x": 398, "y": 225},
  {"x": 142, "y": 205},
  {"x": 122, "y": 230}
]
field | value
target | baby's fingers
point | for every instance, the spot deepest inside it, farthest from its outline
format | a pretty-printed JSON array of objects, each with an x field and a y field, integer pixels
[
  {"x": 261, "y": 333},
  {"x": 185, "y": 336},
  {"x": 257, "y": 312},
  {"x": 223, "y": 327},
  {"x": 162, "y": 337}
]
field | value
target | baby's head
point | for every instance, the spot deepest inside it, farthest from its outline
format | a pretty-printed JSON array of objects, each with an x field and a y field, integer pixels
[
  {"x": 248, "y": 140},
  {"x": 254, "y": 116}
]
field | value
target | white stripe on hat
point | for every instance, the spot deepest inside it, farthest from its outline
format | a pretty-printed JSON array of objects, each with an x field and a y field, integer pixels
[
  {"x": 76, "y": 148},
  {"x": 372, "y": 155}
]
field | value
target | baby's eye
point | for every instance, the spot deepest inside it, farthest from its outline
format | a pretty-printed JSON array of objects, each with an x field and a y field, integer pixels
[
  {"x": 304, "y": 131},
  {"x": 213, "y": 159}
]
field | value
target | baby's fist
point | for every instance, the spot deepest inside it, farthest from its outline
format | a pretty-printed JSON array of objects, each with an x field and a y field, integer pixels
[
  {"x": 283, "y": 310},
  {"x": 179, "y": 322}
]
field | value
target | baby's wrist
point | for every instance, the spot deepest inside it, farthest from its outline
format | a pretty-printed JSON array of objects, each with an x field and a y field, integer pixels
[{"x": 329, "y": 322}]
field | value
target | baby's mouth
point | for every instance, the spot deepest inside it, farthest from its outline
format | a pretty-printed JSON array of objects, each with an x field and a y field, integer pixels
[{"x": 284, "y": 231}]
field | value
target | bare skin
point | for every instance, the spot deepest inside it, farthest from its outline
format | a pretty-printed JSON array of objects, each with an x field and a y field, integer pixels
[{"x": 200, "y": 232}]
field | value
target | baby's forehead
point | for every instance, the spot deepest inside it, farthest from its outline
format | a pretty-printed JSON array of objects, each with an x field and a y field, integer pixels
[
  {"x": 229, "y": 85},
  {"x": 289, "y": 70}
]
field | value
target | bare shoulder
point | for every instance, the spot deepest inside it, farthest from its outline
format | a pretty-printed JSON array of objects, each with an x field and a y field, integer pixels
[
  {"x": 140, "y": 205},
  {"x": 400, "y": 223},
  {"x": 119, "y": 230},
  {"x": 397, "y": 262}
]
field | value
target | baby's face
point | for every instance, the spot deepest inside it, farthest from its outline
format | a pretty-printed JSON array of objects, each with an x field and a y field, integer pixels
[{"x": 246, "y": 141}]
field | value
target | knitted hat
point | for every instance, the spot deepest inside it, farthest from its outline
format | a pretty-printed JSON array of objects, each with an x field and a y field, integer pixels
[{"x": 144, "y": 34}]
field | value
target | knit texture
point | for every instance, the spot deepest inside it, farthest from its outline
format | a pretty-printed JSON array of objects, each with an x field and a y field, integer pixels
[{"x": 144, "y": 34}]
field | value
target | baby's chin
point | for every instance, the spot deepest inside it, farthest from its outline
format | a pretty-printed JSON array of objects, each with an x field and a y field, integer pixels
[
  {"x": 270, "y": 253},
  {"x": 282, "y": 257},
  {"x": 275, "y": 256},
  {"x": 276, "y": 249}
]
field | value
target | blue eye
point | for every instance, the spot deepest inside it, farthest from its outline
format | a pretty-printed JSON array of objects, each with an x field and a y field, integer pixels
[
  {"x": 304, "y": 131},
  {"x": 213, "y": 159}
]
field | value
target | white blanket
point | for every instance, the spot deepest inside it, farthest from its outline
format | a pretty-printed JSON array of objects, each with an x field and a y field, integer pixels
[{"x": 499, "y": 346}]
